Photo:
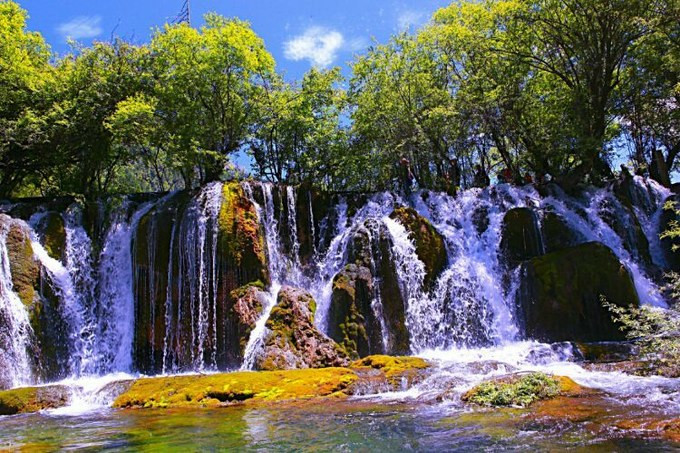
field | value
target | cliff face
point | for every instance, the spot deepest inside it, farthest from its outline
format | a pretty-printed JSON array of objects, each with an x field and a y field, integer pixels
[{"x": 182, "y": 281}]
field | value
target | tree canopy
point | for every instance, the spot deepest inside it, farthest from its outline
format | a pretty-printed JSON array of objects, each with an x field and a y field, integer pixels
[{"x": 516, "y": 87}]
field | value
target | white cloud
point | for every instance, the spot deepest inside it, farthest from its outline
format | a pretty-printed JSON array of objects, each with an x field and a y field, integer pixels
[
  {"x": 81, "y": 27},
  {"x": 319, "y": 45},
  {"x": 410, "y": 18}
]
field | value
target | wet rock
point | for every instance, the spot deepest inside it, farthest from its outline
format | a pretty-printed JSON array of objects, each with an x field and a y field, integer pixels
[
  {"x": 622, "y": 219},
  {"x": 33, "y": 399},
  {"x": 430, "y": 245},
  {"x": 24, "y": 268},
  {"x": 559, "y": 295},
  {"x": 521, "y": 237},
  {"x": 371, "y": 247},
  {"x": 400, "y": 372},
  {"x": 248, "y": 302},
  {"x": 556, "y": 234},
  {"x": 54, "y": 235},
  {"x": 351, "y": 319},
  {"x": 606, "y": 352},
  {"x": 311, "y": 208},
  {"x": 241, "y": 244},
  {"x": 293, "y": 340}
]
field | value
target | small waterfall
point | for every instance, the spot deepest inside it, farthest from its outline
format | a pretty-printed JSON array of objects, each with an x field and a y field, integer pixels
[
  {"x": 586, "y": 217},
  {"x": 277, "y": 263},
  {"x": 15, "y": 328},
  {"x": 115, "y": 297},
  {"x": 189, "y": 311},
  {"x": 83, "y": 316}
]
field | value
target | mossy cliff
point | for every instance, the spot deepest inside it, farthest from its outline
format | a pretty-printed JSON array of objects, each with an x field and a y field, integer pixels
[
  {"x": 430, "y": 245},
  {"x": 369, "y": 274},
  {"x": 559, "y": 296},
  {"x": 165, "y": 256},
  {"x": 293, "y": 340}
]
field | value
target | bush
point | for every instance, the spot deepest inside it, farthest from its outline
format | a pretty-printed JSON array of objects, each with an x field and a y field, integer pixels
[{"x": 521, "y": 390}]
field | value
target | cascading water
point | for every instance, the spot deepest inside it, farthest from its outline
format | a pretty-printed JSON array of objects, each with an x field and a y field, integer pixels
[
  {"x": 148, "y": 301},
  {"x": 15, "y": 328}
]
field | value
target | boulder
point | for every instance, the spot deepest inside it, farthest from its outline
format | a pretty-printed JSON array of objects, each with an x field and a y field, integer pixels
[
  {"x": 293, "y": 340},
  {"x": 560, "y": 294},
  {"x": 54, "y": 234},
  {"x": 430, "y": 245},
  {"x": 351, "y": 320},
  {"x": 556, "y": 234},
  {"x": 520, "y": 237},
  {"x": 246, "y": 308},
  {"x": 371, "y": 247},
  {"x": 33, "y": 399},
  {"x": 24, "y": 268}
]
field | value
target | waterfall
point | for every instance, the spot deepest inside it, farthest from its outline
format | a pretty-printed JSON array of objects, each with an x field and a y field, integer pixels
[
  {"x": 15, "y": 328},
  {"x": 115, "y": 297},
  {"x": 277, "y": 268},
  {"x": 188, "y": 321},
  {"x": 80, "y": 267},
  {"x": 146, "y": 295}
]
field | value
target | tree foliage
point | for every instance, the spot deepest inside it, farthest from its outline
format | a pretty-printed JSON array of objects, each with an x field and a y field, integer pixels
[{"x": 486, "y": 87}]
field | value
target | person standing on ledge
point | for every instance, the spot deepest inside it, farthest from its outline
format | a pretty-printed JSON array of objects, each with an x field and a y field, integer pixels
[
  {"x": 406, "y": 175},
  {"x": 481, "y": 178}
]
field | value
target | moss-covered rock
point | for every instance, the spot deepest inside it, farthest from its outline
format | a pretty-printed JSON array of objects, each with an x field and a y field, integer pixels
[
  {"x": 560, "y": 294},
  {"x": 520, "y": 237},
  {"x": 398, "y": 371},
  {"x": 33, "y": 399},
  {"x": 351, "y": 319},
  {"x": 430, "y": 245},
  {"x": 54, "y": 235},
  {"x": 248, "y": 302},
  {"x": 241, "y": 242},
  {"x": 371, "y": 247},
  {"x": 23, "y": 266},
  {"x": 250, "y": 388},
  {"x": 293, "y": 340},
  {"x": 370, "y": 375},
  {"x": 521, "y": 389}
]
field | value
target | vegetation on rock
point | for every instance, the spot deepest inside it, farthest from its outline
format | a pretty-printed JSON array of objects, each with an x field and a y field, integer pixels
[
  {"x": 33, "y": 399},
  {"x": 516, "y": 390},
  {"x": 293, "y": 340}
]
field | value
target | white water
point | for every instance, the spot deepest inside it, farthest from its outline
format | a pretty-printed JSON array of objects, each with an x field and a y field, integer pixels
[
  {"x": 466, "y": 317},
  {"x": 15, "y": 329}
]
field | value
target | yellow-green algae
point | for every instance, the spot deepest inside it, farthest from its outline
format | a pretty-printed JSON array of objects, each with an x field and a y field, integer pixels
[
  {"x": 241, "y": 238},
  {"x": 248, "y": 387},
  {"x": 32, "y": 399},
  {"x": 395, "y": 369}
]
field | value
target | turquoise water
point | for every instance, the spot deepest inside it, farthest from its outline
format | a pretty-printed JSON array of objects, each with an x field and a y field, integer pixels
[{"x": 348, "y": 426}]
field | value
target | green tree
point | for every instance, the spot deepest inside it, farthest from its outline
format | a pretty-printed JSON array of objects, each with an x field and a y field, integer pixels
[
  {"x": 205, "y": 87},
  {"x": 24, "y": 73},
  {"x": 298, "y": 137}
]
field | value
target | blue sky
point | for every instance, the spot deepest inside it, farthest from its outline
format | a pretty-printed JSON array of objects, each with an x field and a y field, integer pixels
[{"x": 298, "y": 33}]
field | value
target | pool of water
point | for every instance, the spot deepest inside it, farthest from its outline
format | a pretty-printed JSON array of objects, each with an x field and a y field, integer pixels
[
  {"x": 624, "y": 415},
  {"x": 353, "y": 426}
]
